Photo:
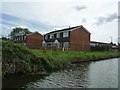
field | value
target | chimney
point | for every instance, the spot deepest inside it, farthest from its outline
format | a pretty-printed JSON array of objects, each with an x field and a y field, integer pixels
[{"x": 69, "y": 26}]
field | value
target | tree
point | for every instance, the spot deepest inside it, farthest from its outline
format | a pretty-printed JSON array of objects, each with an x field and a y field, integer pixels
[
  {"x": 4, "y": 38},
  {"x": 19, "y": 34}
]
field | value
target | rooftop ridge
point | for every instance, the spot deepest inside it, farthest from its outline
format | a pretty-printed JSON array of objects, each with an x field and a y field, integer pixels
[
  {"x": 69, "y": 28},
  {"x": 33, "y": 33}
]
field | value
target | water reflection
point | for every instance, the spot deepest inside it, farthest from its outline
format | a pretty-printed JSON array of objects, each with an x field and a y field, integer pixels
[
  {"x": 104, "y": 74},
  {"x": 74, "y": 77},
  {"x": 99, "y": 74}
]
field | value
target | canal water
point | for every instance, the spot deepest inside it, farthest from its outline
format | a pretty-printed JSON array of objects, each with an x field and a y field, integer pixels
[{"x": 97, "y": 74}]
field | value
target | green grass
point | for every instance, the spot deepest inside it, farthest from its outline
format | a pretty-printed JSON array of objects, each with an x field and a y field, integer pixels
[{"x": 60, "y": 57}]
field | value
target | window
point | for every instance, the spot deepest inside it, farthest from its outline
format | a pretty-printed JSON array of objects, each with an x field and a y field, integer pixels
[
  {"x": 55, "y": 35},
  {"x": 61, "y": 35},
  {"x": 45, "y": 36},
  {"x": 92, "y": 44},
  {"x": 18, "y": 39},
  {"x": 48, "y": 37},
  {"x": 49, "y": 44},
  {"x": 51, "y": 36},
  {"x": 65, "y": 34},
  {"x": 66, "y": 44},
  {"x": 58, "y": 35},
  {"x": 44, "y": 44},
  {"x": 61, "y": 44},
  {"x": 24, "y": 37}
]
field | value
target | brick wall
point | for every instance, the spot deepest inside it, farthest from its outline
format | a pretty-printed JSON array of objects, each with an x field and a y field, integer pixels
[
  {"x": 34, "y": 41},
  {"x": 79, "y": 40}
]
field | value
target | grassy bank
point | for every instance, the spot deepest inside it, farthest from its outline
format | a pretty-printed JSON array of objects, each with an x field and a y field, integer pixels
[
  {"x": 18, "y": 59},
  {"x": 64, "y": 58}
]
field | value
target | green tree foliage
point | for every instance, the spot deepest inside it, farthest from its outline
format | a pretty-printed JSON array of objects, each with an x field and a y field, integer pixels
[
  {"x": 15, "y": 58},
  {"x": 19, "y": 34}
]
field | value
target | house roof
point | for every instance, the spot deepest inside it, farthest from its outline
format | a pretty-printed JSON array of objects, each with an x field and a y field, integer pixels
[
  {"x": 102, "y": 43},
  {"x": 70, "y": 28},
  {"x": 34, "y": 33},
  {"x": 98, "y": 42}
]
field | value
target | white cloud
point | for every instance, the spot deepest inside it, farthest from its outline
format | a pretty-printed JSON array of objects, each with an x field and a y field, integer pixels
[{"x": 61, "y": 14}]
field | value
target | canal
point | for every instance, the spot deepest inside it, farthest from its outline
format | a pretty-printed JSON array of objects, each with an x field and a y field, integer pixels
[{"x": 97, "y": 74}]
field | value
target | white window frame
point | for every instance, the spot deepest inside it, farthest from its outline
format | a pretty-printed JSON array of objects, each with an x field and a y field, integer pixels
[
  {"x": 58, "y": 35},
  {"x": 65, "y": 34},
  {"x": 46, "y": 36},
  {"x": 66, "y": 44},
  {"x": 51, "y": 36}
]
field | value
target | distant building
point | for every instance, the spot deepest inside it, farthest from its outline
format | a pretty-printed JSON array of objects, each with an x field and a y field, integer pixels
[
  {"x": 20, "y": 39},
  {"x": 34, "y": 40},
  {"x": 114, "y": 46},
  {"x": 101, "y": 46},
  {"x": 119, "y": 47},
  {"x": 72, "y": 38},
  {"x": 19, "y": 34}
]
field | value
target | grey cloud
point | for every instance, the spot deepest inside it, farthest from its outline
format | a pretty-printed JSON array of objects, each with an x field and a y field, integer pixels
[
  {"x": 84, "y": 20},
  {"x": 100, "y": 20},
  {"x": 111, "y": 17},
  {"x": 79, "y": 7},
  {"x": 104, "y": 19}
]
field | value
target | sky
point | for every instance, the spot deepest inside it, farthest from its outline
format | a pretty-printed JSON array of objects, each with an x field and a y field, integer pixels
[{"x": 98, "y": 17}]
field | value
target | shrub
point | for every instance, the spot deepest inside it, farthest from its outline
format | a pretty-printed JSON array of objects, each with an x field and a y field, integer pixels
[
  {"x": 47, "y": 64},
  {"x": 16, "y": 57}
]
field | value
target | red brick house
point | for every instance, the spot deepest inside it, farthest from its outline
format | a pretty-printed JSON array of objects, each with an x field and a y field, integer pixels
[
  {"x": 73, "y": 38},
  {"x": 34, "y": 40}
]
